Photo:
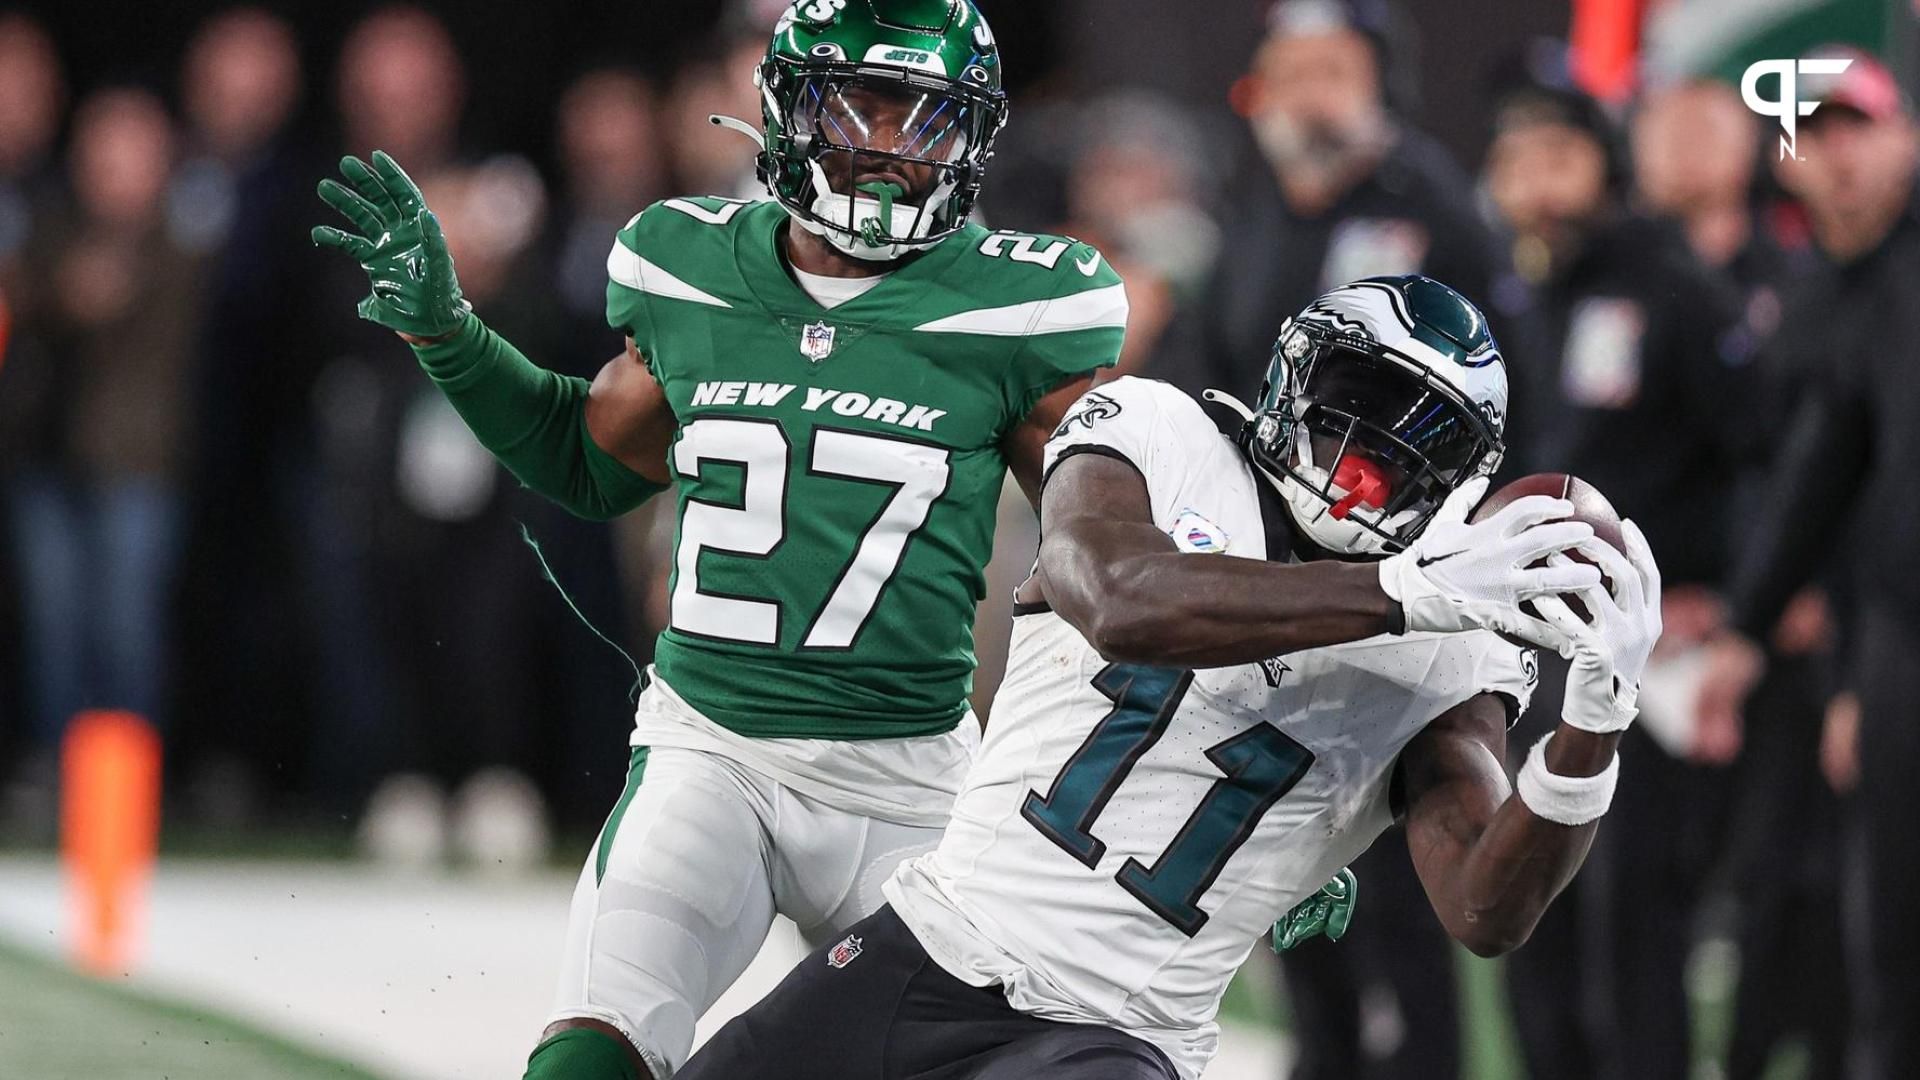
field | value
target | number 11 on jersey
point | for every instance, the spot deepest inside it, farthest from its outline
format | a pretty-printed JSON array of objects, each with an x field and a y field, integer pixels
[{"x": 1261, "y": 764}]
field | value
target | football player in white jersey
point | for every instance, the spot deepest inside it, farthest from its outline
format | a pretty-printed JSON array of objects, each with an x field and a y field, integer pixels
[{"x": 1237, "y": 663}]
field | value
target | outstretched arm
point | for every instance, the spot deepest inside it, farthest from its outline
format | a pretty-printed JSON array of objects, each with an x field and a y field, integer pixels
[
  {"x": 597, "y": 450},
  {"x": 1490, "y": 865},
  {"x": 1107, "y": 569}
]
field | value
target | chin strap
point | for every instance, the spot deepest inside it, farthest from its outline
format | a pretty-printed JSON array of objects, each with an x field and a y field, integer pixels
[
  {"x": 740, "y": 126},
  {"x": 1228, "y": 401}
]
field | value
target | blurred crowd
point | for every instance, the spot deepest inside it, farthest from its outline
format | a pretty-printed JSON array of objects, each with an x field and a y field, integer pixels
[{"x": 232, "y": 507}]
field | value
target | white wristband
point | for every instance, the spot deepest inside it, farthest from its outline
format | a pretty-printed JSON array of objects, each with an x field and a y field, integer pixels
[{"x": 1565, "y": 800}]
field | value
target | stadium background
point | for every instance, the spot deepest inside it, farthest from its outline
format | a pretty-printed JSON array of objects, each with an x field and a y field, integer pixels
[{"x": 358, "y": 827}]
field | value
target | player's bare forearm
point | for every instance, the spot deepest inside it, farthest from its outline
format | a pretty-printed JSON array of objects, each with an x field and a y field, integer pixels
[
  {"x": 1107, "y": 569},
  {"x": 629, "y": 417},
  {"x": 1489, "y": 864},
  {"x": 1025, "y": 447}
]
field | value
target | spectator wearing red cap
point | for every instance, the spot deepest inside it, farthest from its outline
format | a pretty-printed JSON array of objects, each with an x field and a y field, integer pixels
[{"x": 1848, "y": 484}]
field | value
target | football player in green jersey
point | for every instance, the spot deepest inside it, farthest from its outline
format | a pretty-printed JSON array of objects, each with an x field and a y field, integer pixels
[{"x": 834, "y": 382}]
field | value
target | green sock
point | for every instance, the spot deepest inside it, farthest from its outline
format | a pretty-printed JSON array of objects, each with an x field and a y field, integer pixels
[{"x": 581, "y": 1054}]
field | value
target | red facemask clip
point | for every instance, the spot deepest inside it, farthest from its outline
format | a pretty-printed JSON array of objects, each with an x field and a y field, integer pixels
[{"x": 1365, "y": 482}]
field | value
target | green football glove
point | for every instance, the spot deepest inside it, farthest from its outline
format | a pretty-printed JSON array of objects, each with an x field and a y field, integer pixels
[
  {"x": 1326, "y": 912},
  {"x": 400, "y": 246}
]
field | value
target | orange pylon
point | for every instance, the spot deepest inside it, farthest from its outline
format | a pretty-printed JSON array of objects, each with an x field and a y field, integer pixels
[{"x": 109, "y": 832}]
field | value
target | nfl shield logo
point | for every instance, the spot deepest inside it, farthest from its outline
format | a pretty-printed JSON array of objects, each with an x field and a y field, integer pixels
[
  {"x": 846, "y": 952},
  {"x": 816, "y": 342}
]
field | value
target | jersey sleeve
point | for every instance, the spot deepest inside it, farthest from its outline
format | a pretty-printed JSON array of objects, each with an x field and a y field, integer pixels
[
  {"x": 1145, "y": 423},
  {"x": 1077, "y": 330},
  {"x": 1509, "y": 671},
  {"x": 627, "y": 309}
]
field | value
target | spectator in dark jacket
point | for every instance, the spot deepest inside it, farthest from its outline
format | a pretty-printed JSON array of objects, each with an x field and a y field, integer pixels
[
  {"x": 30, "y": 104},
  {"x": 1340, "y": 189},
  {"x": 96, "y": 508},
  {"x": 241, "y": 647},
  {"x": 1696, "y": 151},
  {"x": 1848, "y": 484},
  {"x": 1643, "y": 388}
]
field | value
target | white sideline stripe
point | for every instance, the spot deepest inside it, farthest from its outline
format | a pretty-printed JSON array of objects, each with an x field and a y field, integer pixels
[
  {"x": 462, "y": 975},
  {"x": 625, "y": 266},
  {"x": 1095, "y": 309}
]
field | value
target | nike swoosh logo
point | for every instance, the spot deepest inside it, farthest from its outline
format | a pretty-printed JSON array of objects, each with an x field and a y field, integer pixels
[
  {"x": 1429, "y": 560},
  {"x": 1090, "y": 264}
]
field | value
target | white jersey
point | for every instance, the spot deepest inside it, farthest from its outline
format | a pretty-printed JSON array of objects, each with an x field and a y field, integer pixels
[{"x": 1127, "y": 834}]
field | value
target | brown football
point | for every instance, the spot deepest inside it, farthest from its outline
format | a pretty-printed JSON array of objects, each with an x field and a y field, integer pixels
[{"x": 1588, "y": 505}]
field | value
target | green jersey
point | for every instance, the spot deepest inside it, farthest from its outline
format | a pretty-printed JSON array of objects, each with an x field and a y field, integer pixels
[{"x": 838, "y": 470}]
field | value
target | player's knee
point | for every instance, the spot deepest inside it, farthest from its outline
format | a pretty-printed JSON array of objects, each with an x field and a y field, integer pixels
[{"x": 582, "y": 1049}]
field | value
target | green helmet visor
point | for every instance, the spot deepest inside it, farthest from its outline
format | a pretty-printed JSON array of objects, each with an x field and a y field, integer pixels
[
  {"x": 853, "y": 115},
  {"x": 906, "y": 145}
]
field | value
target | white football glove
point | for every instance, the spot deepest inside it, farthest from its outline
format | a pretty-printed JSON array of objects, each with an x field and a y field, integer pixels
[
  {"x": 1610, "y": 653},
  {"x": 1469, "y": 576}
]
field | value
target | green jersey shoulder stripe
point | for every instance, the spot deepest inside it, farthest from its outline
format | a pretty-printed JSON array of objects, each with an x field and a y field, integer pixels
[
  {"x": 1097, "y": 309},
  {"x": 630, "y": 268}
]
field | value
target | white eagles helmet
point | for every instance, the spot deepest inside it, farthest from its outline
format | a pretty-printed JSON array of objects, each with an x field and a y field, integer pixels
[{"x": 1381, "y": 398}]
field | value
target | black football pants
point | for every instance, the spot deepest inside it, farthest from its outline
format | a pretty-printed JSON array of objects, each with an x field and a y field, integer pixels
[{"x": 888, "y": 1012}]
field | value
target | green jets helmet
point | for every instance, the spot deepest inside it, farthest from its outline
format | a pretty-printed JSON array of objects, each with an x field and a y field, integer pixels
[
  {"x": 898, "y": 101},
  {"x": 1381, "y": 398}
]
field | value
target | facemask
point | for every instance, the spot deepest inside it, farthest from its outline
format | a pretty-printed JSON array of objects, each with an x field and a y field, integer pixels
[{"x": 1346, "y": 534}]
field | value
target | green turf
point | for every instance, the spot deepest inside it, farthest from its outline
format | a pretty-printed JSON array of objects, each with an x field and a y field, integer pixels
[
  {"x": 58, "y": 1025},
  {"x": 1491, "y": 1049},
  {"x": 1253, "y": 998}
]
